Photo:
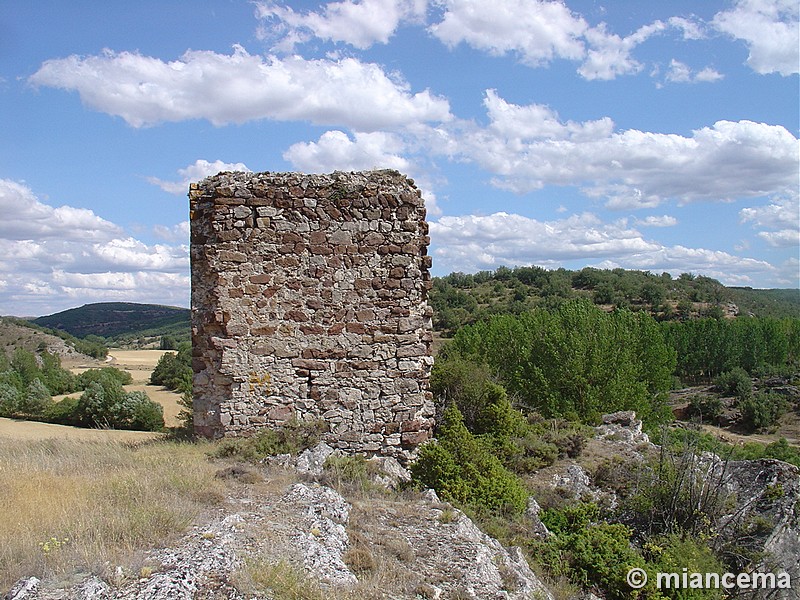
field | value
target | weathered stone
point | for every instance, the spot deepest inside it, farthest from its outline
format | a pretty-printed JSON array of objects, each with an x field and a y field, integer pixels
[{"x": 344, "y": 326}]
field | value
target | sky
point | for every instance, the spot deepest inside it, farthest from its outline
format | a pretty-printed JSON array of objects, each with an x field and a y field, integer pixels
[{"x": 639, "y": 134}]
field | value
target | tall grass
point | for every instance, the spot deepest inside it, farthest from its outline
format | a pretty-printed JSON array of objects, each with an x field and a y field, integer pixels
[{"x": 70, "y": 506}]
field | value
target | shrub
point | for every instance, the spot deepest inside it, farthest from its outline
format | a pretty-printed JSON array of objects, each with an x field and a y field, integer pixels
[
  {"x": 64, "y": 412},
  {"x": 140, "y": 413},
  {"x": 35, "y": 400},
  {"x": 762, "y": 410},
  {"x": 483, "y": 404},
  {"x": 463, "y": 470},
  {"x": 292, "y": 438},
  {"x": 9, "y": 399},
  {"x": 100, "y": 375},
  {"x": 681, "y": 493},
  {"x": 174, "y": 370},
  {"x": 735, "y": 382},
  {"x": 106, "y": 404},
  {"x": 588, "y": 553},
  {"x": 530, "y": 453},
  {"x": 673, "y": 553}
]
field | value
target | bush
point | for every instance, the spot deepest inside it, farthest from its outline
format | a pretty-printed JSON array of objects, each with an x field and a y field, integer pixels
[
  {"x": 106, "y": 404},
  {"x": 587, "y": 552},
  {"x": 9, "y": 400},
  {"x": 292, "y": 438},
  {"x": 762, "y": 410},
  {"x": 100, "y": 375},
  {"x": 139, "y": 412},
  {"x": 35, "y": 400},
  {"x": 174, "y": 370},
  {"x": 64, "y": 412},
  {"x": 463, "y": 470},
  {"x": 673, "y": 553},
  {"x": 483, "y": 404},
  {"x": 735, "y": 382}
]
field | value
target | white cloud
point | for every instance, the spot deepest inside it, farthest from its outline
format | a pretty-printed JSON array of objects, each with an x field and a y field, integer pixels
[
  {"x": 131, "y": 254},
  {"x": 727, "y": 268},
  {"x": 336, "y": 151},
  {"x": 538, "y": 122},
  {"x": 681, "y": 73},
  {"x": 199, "y": 170},
  {"x": 176, "y": 233},
  {"x": 629, "y": 169},
  {"x": 692, "y": 29},
  {"x": 24, "y": 217},
  {"x": 779, "y": 221},
  {"x": 472, "y": 243},
  {"x": 51, "y": 258},
  {"x": 771, "y": 30},
  {"x": 241, "y": 87},
  {"x": 536, "y": 31},
  {"x": 662, "y": 221},
  {"x": 360, "y": 23},
  {"x": 610, "y": 54}
]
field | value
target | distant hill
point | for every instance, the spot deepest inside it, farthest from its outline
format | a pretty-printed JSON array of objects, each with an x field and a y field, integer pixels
[
  {"x": 18, "y": 333},
  {"x": 459, "y": 299},
  {"x": 117, "y": 320}
]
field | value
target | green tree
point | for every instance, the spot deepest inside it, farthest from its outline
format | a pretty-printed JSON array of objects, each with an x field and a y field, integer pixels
[
  {"x": 25, "y": 364},
  {"x": 9, "y": 400},
  {"x": 36, "y": 399},
  {"x": 576, "y": 361}
]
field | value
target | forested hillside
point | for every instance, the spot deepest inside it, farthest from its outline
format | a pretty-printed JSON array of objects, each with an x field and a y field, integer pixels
[
  {"x": 122, "y": 323},
  {"x": 459, "y": 299}
]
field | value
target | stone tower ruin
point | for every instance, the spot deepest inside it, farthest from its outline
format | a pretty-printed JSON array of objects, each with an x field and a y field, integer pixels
[{"x": 309, "y": 302}]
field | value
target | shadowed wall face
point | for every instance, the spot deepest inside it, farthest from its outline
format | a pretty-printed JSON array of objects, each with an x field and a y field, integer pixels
[{"x": 309, "y": 302}]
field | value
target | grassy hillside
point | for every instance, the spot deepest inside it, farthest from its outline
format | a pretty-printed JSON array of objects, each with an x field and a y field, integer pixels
[{"x": 120, "y": 322}]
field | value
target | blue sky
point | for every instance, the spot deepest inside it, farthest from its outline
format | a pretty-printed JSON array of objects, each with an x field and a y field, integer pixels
[{"x": 640, "y": 134}]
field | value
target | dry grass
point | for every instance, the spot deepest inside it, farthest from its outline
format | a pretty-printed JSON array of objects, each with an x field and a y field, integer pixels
[{"x": 76, "y": 505}]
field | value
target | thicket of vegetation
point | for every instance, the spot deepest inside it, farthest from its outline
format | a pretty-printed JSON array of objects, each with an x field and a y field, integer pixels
[
  {"x": 28, "y": 383},
  {"x": 534, "y": 359},
  {"x": 707, "y": 348},
  {"x": 174, "y": 369},
  {"x": 576, "y": 361}
]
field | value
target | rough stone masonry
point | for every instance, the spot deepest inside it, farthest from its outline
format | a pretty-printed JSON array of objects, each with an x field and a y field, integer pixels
[{"x": 309, "y": 302}]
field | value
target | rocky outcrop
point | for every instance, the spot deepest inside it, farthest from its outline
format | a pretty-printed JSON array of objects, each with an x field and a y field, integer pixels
[
  {"x": 417, "y": 547},
  {"x": 443, "y": 554},
  {"x": 766, "y": 515},
  {"x": 763, "y": 519},
  {"x": 623, "y": 426}
]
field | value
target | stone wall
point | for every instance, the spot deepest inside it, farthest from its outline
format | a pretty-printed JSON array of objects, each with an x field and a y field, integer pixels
[{"x": 309, "y": 302}]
